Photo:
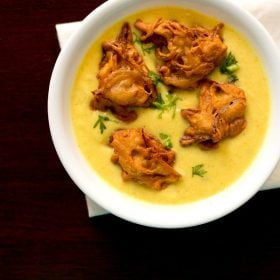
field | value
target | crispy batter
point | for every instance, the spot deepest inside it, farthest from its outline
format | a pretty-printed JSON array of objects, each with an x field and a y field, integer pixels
[
  {"x": 143, "y": 158},
  {"x": 188, "y": 54},
  {"x": 123, "y": 78},
  {"x": 220, "y": 114}
]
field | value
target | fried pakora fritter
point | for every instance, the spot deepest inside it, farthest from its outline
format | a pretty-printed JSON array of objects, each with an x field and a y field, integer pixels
[
  {"x": 123, "y": 79},
  {"x": 143, "y": 158},
  {"x": 187, "y": 54},
  {"x": 220, "y": 114}
]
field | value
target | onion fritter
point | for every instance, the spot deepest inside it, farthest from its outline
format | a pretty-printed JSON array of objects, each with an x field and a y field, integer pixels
[
  {"x": 221, "y": 114},
  {"x": 123, "y": 78},
  {"x": 187, "y": 54},
  {"x": 143, "y": 158}
]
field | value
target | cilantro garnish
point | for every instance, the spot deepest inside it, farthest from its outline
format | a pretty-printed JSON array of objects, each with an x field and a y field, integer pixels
[
  {"x": 166, "y": 140},
  {"x": 198, "y": 170},
  {"x": 228, "y": 66},
  {"x": 101, "y": 122},
  {"x": 145, "y": 49},
  {"x": 154, "y": 77},
  {"x": 166, "y": 105}
]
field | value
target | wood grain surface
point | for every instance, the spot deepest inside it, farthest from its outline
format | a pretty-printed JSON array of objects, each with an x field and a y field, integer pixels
[{"x": 44, "y": 229}]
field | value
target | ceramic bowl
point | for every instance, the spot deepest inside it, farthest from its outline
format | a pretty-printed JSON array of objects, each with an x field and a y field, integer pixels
[{"x": 140, "y": 212}]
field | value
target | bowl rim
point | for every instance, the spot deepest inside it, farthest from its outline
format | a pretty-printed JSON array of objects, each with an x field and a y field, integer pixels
[{"x": 128, "y": 208}]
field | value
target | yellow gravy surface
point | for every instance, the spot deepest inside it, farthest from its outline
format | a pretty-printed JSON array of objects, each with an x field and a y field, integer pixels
[{"x": 223, "y": 165}]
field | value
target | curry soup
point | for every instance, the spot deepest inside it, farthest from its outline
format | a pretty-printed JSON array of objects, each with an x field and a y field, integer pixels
[{"x": 223, "y": 165}]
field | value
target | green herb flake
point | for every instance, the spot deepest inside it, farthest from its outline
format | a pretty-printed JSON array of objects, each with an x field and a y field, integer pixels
[
  {"x": 148, "y": 49},
  {"x": 144, "y": 48},
  {"x": 166, "y": 140},
  {"x": 169, "y": 104},
  {"x": 228, "y": 66},
  {"x": 159, "y": 99},
  {"x": 198, "y": 170},
  {"x": 154, "y": 77},
  {"x": 232, "y": 78},
  {"x": 101, "y": 122}
]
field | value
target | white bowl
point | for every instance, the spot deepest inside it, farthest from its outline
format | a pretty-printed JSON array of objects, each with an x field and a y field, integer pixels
[{"x": 173, "y": 216}]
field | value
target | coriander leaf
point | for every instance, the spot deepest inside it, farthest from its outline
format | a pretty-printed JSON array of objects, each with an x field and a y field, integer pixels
[
  {"x": 172, "y": 102},
  {"x": 228, "y": 66},
  {"x": 166, "y": 139},
  {"x": 232, "y": 78},
  {"x": 159, "y": 99},
  {"x": 136, "y": 39},
  {"x": 232, "y": 68},
  {"x": 198, "y": 170},
  {"x": 144, "y": 49},
  {"x": 101, "y": 122},
  {"x": 147, "y": 49},
  {"x": 154, "y": 77},
  {"x": 169, "y": 104}
]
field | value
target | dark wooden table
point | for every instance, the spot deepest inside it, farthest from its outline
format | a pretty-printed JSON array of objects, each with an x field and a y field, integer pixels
[{"x": 44, "y": 229}]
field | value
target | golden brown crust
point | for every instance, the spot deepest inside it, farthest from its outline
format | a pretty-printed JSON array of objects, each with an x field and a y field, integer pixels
[
  {"x": 123, "y": 78},
  {"x": 188, "y": 54},
  {"x": 221, "y": 114},
  {"x": 143, "y": 158}
]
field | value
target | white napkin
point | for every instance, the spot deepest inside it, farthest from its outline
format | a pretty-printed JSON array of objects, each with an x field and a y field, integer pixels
[{"x": 266, "y": 11}]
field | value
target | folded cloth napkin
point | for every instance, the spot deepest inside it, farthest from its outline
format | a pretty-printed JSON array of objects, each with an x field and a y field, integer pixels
[{"x": 266, "y": 11}]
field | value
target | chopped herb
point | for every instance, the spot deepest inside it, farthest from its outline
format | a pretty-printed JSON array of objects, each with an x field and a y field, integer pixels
[
  {"x": 154, "y": 77},
  {"x": 169, "y": 104},
  {"x": 136, "y": 39},
  {"x": 232, "y": 78},
  {"x": 172, "y": 102},
  {"x": 166, "y": 139},
  {"x": 198, "y": 170},
  {"x": 101, "y": 122},
  {"x": 147, "y": 49},
  {"x": 159, "y": 99},
  {"x": 144, "y": 49},
  {"x": 228, "y": 66}
]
